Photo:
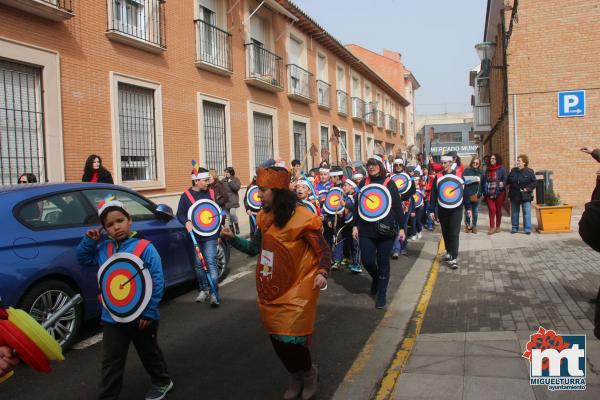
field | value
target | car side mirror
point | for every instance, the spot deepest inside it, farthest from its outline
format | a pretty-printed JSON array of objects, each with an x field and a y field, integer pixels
[{"x": 164, "y": 212}]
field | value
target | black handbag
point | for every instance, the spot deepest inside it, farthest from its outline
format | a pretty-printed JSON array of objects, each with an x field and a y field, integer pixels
[
  {"x": 526, "y": 196},
  {"x": 386, "y": 230}
]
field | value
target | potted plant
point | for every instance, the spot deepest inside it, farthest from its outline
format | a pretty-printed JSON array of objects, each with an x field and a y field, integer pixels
[{"x": 553, "y": 216}]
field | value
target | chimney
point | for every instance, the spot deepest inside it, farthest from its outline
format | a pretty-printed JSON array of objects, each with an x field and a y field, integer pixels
[{"x": 392, "y": 55}]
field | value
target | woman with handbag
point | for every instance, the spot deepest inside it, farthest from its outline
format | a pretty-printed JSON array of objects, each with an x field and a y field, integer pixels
[
  {"x": 521, "y": 184},
  {"x": 376, "y": 238},
  {"x": 473, "y": 194},
  {"x": 494, "y": 191}
]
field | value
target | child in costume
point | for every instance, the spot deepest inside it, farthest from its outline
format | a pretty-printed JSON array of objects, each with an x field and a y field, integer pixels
[
  {"x": 416, "y": 216},
  {"x": 350, "y": 197},
  {"x": 143, "y": 331},
  {"x": 407, "y": 209},
  {"x": 208, "y": 244},
  {"x": 305, "y": 194},
  {"x": 332, "y": 224},
  {"x": 292, "y": 266},
  {"x": 250, "y": 211},
  {"x": 425, "y": 184},
  {"x": 323, "y": 185}
]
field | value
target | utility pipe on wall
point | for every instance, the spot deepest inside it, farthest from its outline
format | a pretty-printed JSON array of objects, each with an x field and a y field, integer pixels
[{"x": 515, "y": 129}]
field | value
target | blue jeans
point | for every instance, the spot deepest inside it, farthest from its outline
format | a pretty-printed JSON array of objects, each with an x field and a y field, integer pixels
[
  {"x": 399, "y": 245},
  {"x": 514, "y": 215},
  {"x": 209, "y": 252},
  {"x": 375, "y": 255},
  {"x": 427, "y": 221},
  {"x": 474, "y": 207}
]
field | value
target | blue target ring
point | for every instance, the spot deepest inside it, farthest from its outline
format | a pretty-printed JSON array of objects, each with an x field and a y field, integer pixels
[
  {"x": 206, "y": 217},
  {"x": 418, "y": 199},
  {"x": 333, "y": 201},
  {"x": 450, "y": 190},
  {"x": 374, "y": 203},
  {"x": 402, "y": 181},
  {"x": 310, "y": 206},
  {"x": 252, "y": 199}
]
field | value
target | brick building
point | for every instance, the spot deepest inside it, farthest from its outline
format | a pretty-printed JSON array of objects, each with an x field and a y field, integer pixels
[
  {"x": 538, "y": 53},
  {"x": 150, "y": 85}
]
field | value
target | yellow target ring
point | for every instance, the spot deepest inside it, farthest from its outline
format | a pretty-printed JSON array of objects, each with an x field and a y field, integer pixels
[
  {"x": 374, "y": 204},
  {"x": 206, "y": 217},
  {"x": 36, "y": 333},
  {"x": 118, "y": 289}
]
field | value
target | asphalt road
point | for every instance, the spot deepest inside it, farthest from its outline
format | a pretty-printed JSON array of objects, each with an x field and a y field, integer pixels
[{"x": 224, "y": 353}]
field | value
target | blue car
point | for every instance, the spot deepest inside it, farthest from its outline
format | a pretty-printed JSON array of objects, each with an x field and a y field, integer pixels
[{"x": 41, "y": 227}]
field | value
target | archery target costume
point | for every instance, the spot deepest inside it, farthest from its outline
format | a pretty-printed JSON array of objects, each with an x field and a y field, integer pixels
[
  {"x": 446, "y": 201},
  {"x": 123, "y": 300}
]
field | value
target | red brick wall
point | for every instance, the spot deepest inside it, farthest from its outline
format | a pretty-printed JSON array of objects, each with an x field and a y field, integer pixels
[{"x": 87, "y": 56}]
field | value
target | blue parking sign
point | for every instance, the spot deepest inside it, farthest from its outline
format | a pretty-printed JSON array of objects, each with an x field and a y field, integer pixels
[{"x": 571, "y": 104}]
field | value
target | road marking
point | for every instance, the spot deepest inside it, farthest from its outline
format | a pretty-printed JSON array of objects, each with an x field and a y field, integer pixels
[
  {"x": 393, "y": 373},
  {"x": 84, "y": 344}
]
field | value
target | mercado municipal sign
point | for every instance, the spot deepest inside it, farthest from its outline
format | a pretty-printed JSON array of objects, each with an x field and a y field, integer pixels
[{"x": 461, "y": 149}]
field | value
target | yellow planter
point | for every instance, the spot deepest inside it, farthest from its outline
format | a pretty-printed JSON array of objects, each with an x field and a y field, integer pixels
[{"x": 553, "y": 219}]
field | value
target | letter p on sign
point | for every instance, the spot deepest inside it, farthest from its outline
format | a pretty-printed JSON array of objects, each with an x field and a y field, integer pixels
[{"x": 571, "y": 104}]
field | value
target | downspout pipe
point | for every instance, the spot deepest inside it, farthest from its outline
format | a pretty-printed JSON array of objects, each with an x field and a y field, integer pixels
[{"x": 515, "y": 129}]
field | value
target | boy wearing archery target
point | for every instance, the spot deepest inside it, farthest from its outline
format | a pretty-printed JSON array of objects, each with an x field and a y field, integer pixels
[
  {"x": 406, "y": 189},
  {"x": 350, "y": 245},
  {"x": 131, "y": 286},
  {"x": 333, "y": 222},
  {"x": 202, "y": 218}
]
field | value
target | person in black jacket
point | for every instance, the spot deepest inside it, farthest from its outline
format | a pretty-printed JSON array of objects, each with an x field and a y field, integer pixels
[
  {"x": 521, "y": 184},
  {"x": 375, "y": 248},
  {"x": 450, "y": 218},
  {"x": 94, "y": 171}
]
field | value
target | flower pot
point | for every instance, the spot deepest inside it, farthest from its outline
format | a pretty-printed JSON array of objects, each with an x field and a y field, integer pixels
[{"x": 553, "y": 219}]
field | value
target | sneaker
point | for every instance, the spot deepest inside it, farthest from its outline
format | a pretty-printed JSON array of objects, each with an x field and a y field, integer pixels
[
  {"x": 419, "y": 235},
  {"x": 452, "y": 264},
  {"x": 395, "y": 255},
  {"x": 213, "y": 301},
  {"x": 344, "y": 262},
  {"x": 446, "y": 257},
  {"x": 355, "y": 268},
  {"x": 413, "y": 238},
  {"x": 403, "y": 252},
  {"x": 335, "y": 266},
  {"x": 528, "y": 233},
  {"x": 202, "y": 296},
  {"x": 158, "y": 392},
  {"x": 514, "y": 231}
]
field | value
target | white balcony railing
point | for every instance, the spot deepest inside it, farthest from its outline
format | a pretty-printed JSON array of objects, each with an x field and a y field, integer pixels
[{"x": 481, "y": 117}]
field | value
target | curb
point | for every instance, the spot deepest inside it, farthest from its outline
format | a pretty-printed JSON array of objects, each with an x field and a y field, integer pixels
[{"x": 377, "y": 358}]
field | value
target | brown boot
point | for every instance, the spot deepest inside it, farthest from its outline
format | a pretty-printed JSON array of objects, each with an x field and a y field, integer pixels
[
  {"x": 474, "y": 229},
  {"x": 467, "y": 229},
  {"x": 492, "y": 231},
  {"x": 311, "y": 380},
  {"x": 497, "y": 229},
  {"x": 295, "y": 387}
]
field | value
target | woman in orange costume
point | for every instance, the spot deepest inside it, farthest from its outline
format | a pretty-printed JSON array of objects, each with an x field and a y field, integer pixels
[{"x": 293, "y": 265}]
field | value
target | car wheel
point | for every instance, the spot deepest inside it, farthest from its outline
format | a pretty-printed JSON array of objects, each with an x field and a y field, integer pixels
[
  {"x": 222, "y": 260},
  {"x": 44, "y": 299}
]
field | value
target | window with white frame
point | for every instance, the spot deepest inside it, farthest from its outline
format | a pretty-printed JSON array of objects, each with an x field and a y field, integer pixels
[
  {"x": 213, "y": 42},
  {"x": 139, "y": 18},
  {"x": 343, "y": 144},
  {"x": 341, "y": 78},
  {"x": 299, "y": 131},
  {"x": 137, "y": 133},
  {"x": 325, "y": 142},
  {"x": 357, "y": 147},
  {"x": 22, "y": 147},
  {"x": 263, "y": 138},
  {"x": 214, "y": 143},
  {"x": 322, "y": 67},
  {"x": 368, "y": 92},
  {"x": 355, "y": 87}
]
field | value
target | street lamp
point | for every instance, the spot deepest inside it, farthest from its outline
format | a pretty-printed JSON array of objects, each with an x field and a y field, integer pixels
[{"x": 485, "y": 50}]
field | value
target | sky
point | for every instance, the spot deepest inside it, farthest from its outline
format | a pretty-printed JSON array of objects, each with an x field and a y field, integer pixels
[{"x": 435, "y": 37}]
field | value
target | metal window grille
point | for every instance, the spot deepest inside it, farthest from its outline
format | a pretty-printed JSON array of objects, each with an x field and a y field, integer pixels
[
  {"x": 142, "y": 19},
  {"x": 357, "y": 148},
  {"x": 21, "y": 122},
  {"x": 324, "y": 137},
  {"x": 263, "y": 138},
  {"x": 137, "y": 133},
  {"x": 215, "y": 137},
  {"x": 299, "y": 140}
]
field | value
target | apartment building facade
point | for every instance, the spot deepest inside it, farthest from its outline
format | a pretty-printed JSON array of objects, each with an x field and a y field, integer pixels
[
  {"x": 530, "y": 69},
  {"x": 150, "y": 85}
]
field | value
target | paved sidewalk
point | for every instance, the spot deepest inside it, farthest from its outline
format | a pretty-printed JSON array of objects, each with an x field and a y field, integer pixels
[{"x": 480, "y": 317}]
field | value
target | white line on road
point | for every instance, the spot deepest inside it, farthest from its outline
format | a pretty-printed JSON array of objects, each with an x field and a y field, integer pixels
[{"x": 84, "y": 344}]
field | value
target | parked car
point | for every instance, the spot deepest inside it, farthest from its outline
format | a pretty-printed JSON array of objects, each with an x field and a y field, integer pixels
[{"x": 41, "y": 227}]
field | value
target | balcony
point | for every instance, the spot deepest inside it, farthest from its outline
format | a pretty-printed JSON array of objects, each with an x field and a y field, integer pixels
[
  {"x": 55, "y": 10},
  {"x": 263, "y": 68},
  {"x": 380, "y": 119},
  {"x": 342, "y": 102},
  {"x": 391, "y": 124},
  {"x": 358, "y": 109},
  {"x": 300, "y": 84},
  {"x": 481, "y": 118},
  {"x": 323, "y": 94},
  {"x": 213, "y": 48},
  {"x": 370, "y": 112},
  {"x": 138, "y": 23}
]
